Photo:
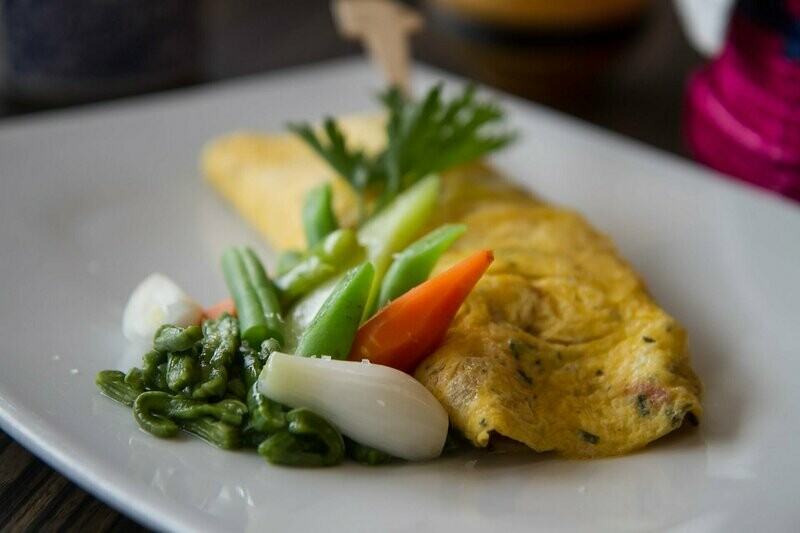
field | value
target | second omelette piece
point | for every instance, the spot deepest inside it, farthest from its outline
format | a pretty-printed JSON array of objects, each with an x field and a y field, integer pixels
[{"x": 559, "y": 347}]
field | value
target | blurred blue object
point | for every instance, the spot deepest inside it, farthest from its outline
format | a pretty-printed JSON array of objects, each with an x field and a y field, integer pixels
[{"x": 64, "y": 51}]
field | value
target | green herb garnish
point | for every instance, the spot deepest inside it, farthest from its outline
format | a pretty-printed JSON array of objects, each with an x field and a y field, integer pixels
[{"x": 424, "y": 137}]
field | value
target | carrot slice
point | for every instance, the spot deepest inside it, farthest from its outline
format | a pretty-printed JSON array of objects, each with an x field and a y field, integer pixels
[
  {"x": 409, "y": 328},
  {"x": 219, "y": 309}
]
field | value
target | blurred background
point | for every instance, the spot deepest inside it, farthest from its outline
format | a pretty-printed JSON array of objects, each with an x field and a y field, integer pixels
[
  {"x": 656, "y": 71},
  {"x": 621, "y": 64}
]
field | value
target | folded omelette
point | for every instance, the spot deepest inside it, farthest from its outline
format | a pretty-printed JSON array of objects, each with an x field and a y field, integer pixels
[{"x": 558, "y": 347}]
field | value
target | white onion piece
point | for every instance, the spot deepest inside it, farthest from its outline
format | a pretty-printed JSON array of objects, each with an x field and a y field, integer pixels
[
  {"x": 155, "y": 301},
  {"x": 373, "y": 404}
]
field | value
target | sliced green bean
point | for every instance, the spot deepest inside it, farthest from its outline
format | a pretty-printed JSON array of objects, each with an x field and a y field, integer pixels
[
  {"x": 149, "y": 411},
  {"x": 252, "y": 438},
  {"x": 112, "y": 383},
  {"x": 220, "y": 343},
  {"x": 309, "y": 440},
  {"x": 251, "y": 365},
  {"x": 214, "y": 432},
  {"x": 366, "y": 455},
  {"x": 228, "y": 411},
  {"x": 134, "y": 379},
  {"x": 182, "y": 370},
  {"x": 318, "y": 218},
  {"x": 413, "y": 265},
  {"x": 152, "y": 377},
  {"x": 175, "y": 339},
  {"x": 156, "y": 412},
  {"x": 266, "y": 416},
  {"x": 332, "y": 330}
]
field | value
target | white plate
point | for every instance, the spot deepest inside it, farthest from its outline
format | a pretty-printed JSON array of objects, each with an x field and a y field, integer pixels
[{"x": 95, "y": 199}]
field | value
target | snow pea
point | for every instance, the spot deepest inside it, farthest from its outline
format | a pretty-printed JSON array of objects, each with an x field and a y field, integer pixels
[
  {"x": 317, "y": 214},
  {"x": 414, "y": 264},
  {"x": 332, "y": 330},
  {"x": 329, "y": 257}
]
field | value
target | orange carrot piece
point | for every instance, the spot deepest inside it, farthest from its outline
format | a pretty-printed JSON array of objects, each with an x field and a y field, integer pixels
[
  {"x": 219, "y": 309},
  {"x": 409, "y": 328}
]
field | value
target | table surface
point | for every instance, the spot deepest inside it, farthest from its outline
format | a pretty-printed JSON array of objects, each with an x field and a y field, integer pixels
[{"x": 637, "y": 91}]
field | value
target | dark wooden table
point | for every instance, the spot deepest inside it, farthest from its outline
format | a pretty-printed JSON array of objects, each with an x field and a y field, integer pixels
[{"x": 629, "y": 81}]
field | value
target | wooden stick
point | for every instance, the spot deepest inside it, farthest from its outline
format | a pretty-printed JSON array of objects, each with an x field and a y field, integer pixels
[{"x": 384, "y": 28}]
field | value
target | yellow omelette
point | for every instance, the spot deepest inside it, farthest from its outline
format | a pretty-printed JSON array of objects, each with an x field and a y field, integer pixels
[{"x": 559, "y": 347}]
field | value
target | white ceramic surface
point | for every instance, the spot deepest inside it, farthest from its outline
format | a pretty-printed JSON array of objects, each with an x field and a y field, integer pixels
[{"x": 92, "y": 200}]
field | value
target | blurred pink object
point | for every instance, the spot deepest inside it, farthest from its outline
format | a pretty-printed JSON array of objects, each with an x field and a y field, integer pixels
[{"x": 743, "y": 109}]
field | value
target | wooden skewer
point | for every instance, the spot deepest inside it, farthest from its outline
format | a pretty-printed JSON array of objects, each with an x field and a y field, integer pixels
[{"x": 384, "y": 27}]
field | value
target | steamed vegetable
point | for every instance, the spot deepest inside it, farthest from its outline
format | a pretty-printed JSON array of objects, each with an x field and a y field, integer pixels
[
  {"x": 253, "y": 295},
  {"x": 329, "y": 257},
  {"x": 408, "y": 329},
  {"x": 395, "y": 227},
  {"x": 156, "y": 301},
  {"x": 219, "y": 346},
  {"x": 413, "y": 265},
  {"x": 383, "y": 236},
  {"x": 162, "y": 415},
  {"x": 424, "y": 137},
  {"x": 377, "y": 406},
  {"x": 332, "y": 330},
  {"x": 318, "y": 218},
  {"x": 308, "y": 440}
]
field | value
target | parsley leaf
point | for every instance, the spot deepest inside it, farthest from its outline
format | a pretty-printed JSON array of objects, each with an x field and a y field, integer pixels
[{"x": 423, "y": 137}]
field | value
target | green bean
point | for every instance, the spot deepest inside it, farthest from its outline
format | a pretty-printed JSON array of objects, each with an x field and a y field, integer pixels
[
  {"x": 332, "y": 330},
  {"x": 251, "y": 438},
  {"x": 156, "y": 412},
  {"x": 161, "y": 377},
  {"x": 112, "y": 383},
  {"x": 181, "y": 370},
  {"x": 300, "y": 280},
  {"x": 309, "y": 440},
  {"x": 149, "y": 411},
  {"x": 287, "y": 261},
  {"x": 413, "y": 265},
  {"x": 220, "y": 344},
  {"x": 254, "y": 296},
  {"x": 175, "y": 339},
  {"x": 365, "y": 455},
  {"x": 150, "y": 370},
  {"x": 214, "y": 432},
  {"x": 267, "y": 347},
  {"x": 318, "y": 217},
  {"x": 251, "y": 365},
  {"x": 265, "y": 291},
  {"x": 134, "y": 379},
  {"x": 327, "y": 258},
  {"x": 228, "y": 411},
  {"x": 236, "y": 390},
  {"x": 266, "y": 416}
]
